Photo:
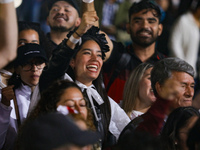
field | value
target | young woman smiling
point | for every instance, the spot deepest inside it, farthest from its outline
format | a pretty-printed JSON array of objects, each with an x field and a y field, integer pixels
[{"x": 85, "y": 55}]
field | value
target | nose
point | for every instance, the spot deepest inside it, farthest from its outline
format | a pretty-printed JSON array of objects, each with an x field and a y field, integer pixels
[
  {"x": 77, "y": 107},
  {"x": 189, "y": 92},
  {"x": 145, "y": 24},
  {"x": 61, "y": 11},
  {"x": 94, "y": 56},
  {"x": 34, "y": 67}
]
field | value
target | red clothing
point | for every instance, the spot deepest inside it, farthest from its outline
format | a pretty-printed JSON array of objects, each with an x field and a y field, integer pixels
[
  {"x": 154, "y": 117},
  {"x": 117, "y": 87}
]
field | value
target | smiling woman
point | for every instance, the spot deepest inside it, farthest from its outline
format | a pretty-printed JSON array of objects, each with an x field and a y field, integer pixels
[
  {"x": 138, "y": 94},
  {"x": 86, "y": 60}
]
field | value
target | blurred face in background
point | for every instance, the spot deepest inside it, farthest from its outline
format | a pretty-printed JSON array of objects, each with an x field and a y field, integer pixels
[
  {"x": 63, "y": 17},
  {"x": 146, "y": 94},
  {"x": 28, "y": 36},
  {"x": 31, "y": 71},
  {"x": 73, "y": 98}
]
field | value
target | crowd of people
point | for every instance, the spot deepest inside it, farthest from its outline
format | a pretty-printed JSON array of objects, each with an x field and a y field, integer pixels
[{"x": 78, "y": 88}]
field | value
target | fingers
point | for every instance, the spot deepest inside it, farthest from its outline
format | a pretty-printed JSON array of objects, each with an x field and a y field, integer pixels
[
  {"x": 88, "y": 20},
  {"x": 7, "y": 95}
]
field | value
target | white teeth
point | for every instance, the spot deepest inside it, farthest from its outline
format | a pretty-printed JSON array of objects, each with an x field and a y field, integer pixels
[
  {"x": 92, "y": 69},
  {"x": 92, "y": 66},
  {"x": 144, "y": 33}
]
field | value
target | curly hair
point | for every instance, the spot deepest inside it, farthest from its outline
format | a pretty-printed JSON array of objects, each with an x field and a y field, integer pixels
[
  {"x": 51, "y": 96},
  {"x": 93, "y": 34}
]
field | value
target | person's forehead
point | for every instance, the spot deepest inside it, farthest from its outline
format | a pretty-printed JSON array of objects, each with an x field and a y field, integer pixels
[{"x": 180, "y": 75}]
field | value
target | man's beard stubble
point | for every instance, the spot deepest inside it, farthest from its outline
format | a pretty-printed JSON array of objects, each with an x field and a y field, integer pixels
[{"x": 143, "y": 42}]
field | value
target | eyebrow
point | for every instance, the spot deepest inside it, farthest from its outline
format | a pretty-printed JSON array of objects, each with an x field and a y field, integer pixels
[
  {"x": 75, "y": 100},
  {"x": 140, "y": 18},
  {"x": 185, "y": 83},
  {"x": 88, "y": 49}
]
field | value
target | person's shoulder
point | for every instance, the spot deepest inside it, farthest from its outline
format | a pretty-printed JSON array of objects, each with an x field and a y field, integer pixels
[{"x": 119, "y": 46}]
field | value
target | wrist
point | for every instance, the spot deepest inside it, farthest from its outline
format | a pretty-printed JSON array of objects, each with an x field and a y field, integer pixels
[
  {"x": 88, "y": 1},
  {"x": 74, "y": 40},
  {"x": 79, "y": 35},
  {"x": 5, "y": 1},
  {"x": 6, "y": 103}
]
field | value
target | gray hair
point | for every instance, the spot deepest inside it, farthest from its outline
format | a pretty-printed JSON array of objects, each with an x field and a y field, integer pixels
[{"x": 163, "y": 70}]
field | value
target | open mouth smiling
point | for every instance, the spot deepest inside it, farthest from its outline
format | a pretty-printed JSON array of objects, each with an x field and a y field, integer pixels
[{"x": 92, "y": 67}]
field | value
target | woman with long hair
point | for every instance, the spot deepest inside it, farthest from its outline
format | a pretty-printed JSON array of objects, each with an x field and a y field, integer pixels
[
  {"x": 84, "y": 52},
  {"x": 138, "y": 94}
]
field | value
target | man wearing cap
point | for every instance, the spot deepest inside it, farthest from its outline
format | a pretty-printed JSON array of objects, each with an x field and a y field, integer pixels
[{"x": 63, "y": 17}]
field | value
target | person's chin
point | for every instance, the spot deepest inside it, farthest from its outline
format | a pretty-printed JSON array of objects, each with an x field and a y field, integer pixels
[{"x": 187, "y": 103}]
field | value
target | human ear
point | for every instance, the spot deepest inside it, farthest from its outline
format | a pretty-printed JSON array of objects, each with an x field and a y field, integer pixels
[
  {"x": 78, "y": 22},
  {"x": 72, "y": 63},
  {"x": 160, "y": 29},
  {"x": 158, "y": 87}
]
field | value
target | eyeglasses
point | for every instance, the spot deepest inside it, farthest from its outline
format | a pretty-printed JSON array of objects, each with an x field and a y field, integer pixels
[{"x": 29, "y": 66}]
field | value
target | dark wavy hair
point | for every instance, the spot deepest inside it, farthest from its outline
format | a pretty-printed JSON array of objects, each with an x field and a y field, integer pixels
[
  {"x": 93, "y": 34},
  {"x": 175, "y": 121}
]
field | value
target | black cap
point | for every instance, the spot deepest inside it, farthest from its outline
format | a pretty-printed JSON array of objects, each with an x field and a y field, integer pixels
[
  {"x": 71, "y": 2},
  {"x": 53, "y": 130},
  {"x": 29, "y": 51}
]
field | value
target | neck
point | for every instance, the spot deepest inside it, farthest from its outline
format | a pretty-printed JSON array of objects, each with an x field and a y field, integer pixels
[
  {"x": 142, "y": 107},
  {"x": 144, "y": 53},
  {"x": 58, "y": 37},
  {"x": 32, "y": 88},
  {"x": 89, "y": 83}
]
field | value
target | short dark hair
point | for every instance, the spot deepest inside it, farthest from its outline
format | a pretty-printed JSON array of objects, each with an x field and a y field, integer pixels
[
  {"x": 145, "y": 4},
  {"x": 163, "y": 69}
]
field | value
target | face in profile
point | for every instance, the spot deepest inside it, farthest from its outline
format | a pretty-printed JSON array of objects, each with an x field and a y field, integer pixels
[
  {"x": 28, "y": 36},
  {"x": 146, "y": 94},
  {"x": 144, "y": 27},
  {"x": 87, "y": 63},
  {"x": 30, "y": 72},
  {"x": 183, "y": 133},
  {"x": 181, "y": 87},
  {"x": 63, "y": 17},
  {"x": 73, "y": 98}
]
